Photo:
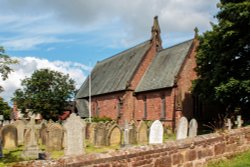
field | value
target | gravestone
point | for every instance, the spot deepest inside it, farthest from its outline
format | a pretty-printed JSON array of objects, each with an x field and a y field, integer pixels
[
  {"x": 74, "y": 129},
  {"x": 142, "y": 133},
  {"x": 126, "y": 136},
  {"x": 228, "y": 124},
  {"x": 182, "y": 128},
  {"x": 54, "y": 137},
  {"x": 156, "y": 133},
  {"x": 92, "y": 133},
  {"x": 114, "y": 136},
  {"x": 31, "y": 149},
  {"x": 100, "y": 134},
  {"x": 9, "y": 136},
  {"x": 239, "y": 121},
  {"x": 193, "y": 127},
  {"x": 20, "y": 125},
  {"x": 132, "y": 133},
  {"x": 43, "y": 134}
]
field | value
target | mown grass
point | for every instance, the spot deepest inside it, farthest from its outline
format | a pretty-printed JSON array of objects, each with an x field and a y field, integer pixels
[{"x": 240, "y": 160}]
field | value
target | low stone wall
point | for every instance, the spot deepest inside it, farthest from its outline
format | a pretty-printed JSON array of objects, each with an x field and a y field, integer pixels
[{"x": 191, "y": 152}]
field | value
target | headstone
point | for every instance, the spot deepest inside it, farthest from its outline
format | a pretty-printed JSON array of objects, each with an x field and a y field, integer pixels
[
  {"x": 114, "y": 136},
  {"x": 133, "y": 133},
  {"x": 193, "y": 127},
  {"x": 9, "y": 136},
  {"x": 228, "y": 124},
  {"x": 100, "y": 134},
  {"x": 182, "y": 128},
  {"x": 54, "y": 137},
  {"x": 31, "y": 149},
  {"x": 20, "y": 125},
  {"x": 43, "y": 134},
  {"x": 91, "y": 134},
  {"x": 74, "y": 129},
  {"x": 126, "y": 130},
  {"x": 239, "y": 121},
  {"x": 142, "y": 133},
  {"x": 156, "y": 133}
]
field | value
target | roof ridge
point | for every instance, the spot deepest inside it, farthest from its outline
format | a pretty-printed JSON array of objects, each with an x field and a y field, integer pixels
[
  {"x": 176, "y": 45},
  {"x": 109, "y": 58}
]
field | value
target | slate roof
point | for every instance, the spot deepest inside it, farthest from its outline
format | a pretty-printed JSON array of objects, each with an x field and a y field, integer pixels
[
  {"x": 82, "y": 108},
  {"x": 165, "y": 66},
  {"x": 113, "y": 74}
]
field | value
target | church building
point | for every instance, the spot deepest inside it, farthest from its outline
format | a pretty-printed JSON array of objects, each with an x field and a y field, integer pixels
[{"x": 145, "y": 82}]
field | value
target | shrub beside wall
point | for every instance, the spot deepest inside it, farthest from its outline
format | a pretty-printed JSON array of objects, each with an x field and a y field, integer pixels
[{"x": 191, "y": 152}]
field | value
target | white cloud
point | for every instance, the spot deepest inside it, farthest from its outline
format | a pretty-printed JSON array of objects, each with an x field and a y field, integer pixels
[
  {"x": 119, "y": 22},
  {"x": 28, "y": 65}
]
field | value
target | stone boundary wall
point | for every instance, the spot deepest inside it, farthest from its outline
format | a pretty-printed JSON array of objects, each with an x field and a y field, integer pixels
[{"x": 191, "y": 152}]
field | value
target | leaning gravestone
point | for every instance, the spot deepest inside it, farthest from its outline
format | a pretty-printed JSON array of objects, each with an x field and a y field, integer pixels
[
  {"x": 31, "y": 149},
  {"x": 142, "y": 133},
  {"x": 54, "y": 137},
  {"x": 182, "y": 128},
  {"x": 20, "y": 125},
  {"x": 74, "y": 128},
  {"x": 114, "y": 136},
  {"x": 193, "y": 126},
  {"x": 156, "y": 133},
  {"x": 9, "y": 136}
]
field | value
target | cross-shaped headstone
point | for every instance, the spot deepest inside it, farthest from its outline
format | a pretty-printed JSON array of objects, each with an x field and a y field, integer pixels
[
  {"x": 31, "y": 146},
  {"x": 239, "y": 121},
  {"x": 126, "y": 130},
  {"x": 228, "y": 124}
]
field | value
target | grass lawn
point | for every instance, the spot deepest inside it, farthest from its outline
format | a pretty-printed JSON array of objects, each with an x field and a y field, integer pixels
[{"x": 241, "y": 160}]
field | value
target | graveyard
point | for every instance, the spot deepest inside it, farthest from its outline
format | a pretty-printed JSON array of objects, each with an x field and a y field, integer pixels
[{"x": 47, "y": 141}]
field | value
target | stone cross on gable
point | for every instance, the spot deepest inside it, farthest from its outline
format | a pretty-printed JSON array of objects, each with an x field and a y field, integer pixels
[
  {"x": 239, "y": 121},
  {"x": 228, "y": 124},
  {"x": 126, "y": 129},
  {"x": 31, "y": 146}
]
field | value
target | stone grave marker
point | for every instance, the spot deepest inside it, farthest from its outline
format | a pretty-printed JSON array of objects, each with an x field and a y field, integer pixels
[
  {"x": 43, "y": 134},
  {"x": 239, "y": 121},
  {"x": 20, "y": 125},
  {"x": 54, "y": 137},
  {"x": 9, "y": 136},
  {"x": 31, "y": 149},
  {"x": 229, "y": 124},
  {"x": 142, "y": 133},
  {"x": 132, "y": 133},
  {"x": 114, "y": 136},
  {"x": 193, "y": 127},
  {"x": 127, "y": 127},
  {"x": 74, "y": 128},
  {"x": 92, "y": 133},
  {"x": 156, "y": 133},
  {"x": 182, "y": 128},
  {"x": 100, "y": 134}
]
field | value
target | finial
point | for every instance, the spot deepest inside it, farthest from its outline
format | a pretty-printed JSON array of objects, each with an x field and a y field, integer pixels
[
  {"x": 155, "y": 33},
  {"x": 196, "y": 32},
  {"x": 156, "y": 27}
]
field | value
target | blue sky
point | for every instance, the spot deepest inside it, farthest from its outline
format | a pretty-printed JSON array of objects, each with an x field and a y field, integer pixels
[{"x": 71, "y": 36}]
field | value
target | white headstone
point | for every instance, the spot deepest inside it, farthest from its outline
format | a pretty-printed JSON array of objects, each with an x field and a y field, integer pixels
[
  {"x": 156, "y": 133},
  {"x": 239, "y": 121},
  {"x": 193, "y": 126},
  {"x": 228, "y": 124},
  {"x": 182, "y": 128},
  {"x": 74, "y": 141}
]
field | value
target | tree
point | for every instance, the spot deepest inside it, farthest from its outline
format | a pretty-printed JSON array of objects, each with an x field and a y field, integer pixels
[
  {"x": 223, "y": 63},
  {"x": 5, "y": 109},
  {"x": 45, "y": 92},
  {"x": 5, "y": 62}
]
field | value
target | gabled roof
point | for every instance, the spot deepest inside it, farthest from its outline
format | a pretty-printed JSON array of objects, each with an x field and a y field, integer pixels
[
  {"x": 82, "y": 106},
  {"x": 113, "y": 74},
  {"x": 165, "y": 67}
]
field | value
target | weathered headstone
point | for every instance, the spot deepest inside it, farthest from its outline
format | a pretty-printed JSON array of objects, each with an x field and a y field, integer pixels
[
  {"x": 193, "y": 127},
  {"x": 228, "y": 124},
  {"x": 9, "y": 136},
  {"x": 239, "y": 121},
  {"x": 31, "y": 149},
  {"x": 43, "y": 134},
  {"x": 132, "y": 133},
  {"x": 114, "y": 136},
  {"x": 74, "y": 128},
  {"x": 100, "y": 134},
  {"x": 142, "y": 133},
  {"x": 54, "y": 137},
  {"x": 91, "y": 134},
  {"x": 182, "y": 128},
  {"x": 20, "y": 125},
  {"x": 126, "y": 130},
  {"x": 156, "y": 133}
]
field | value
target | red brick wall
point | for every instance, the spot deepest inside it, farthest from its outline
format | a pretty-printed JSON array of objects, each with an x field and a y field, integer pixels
[
  {"x": 191, "y": 152},
  {"x": 184, "y": 82}
]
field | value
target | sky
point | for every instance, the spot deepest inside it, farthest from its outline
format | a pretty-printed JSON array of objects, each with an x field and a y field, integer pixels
[{"x": 71, "y": 36}]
